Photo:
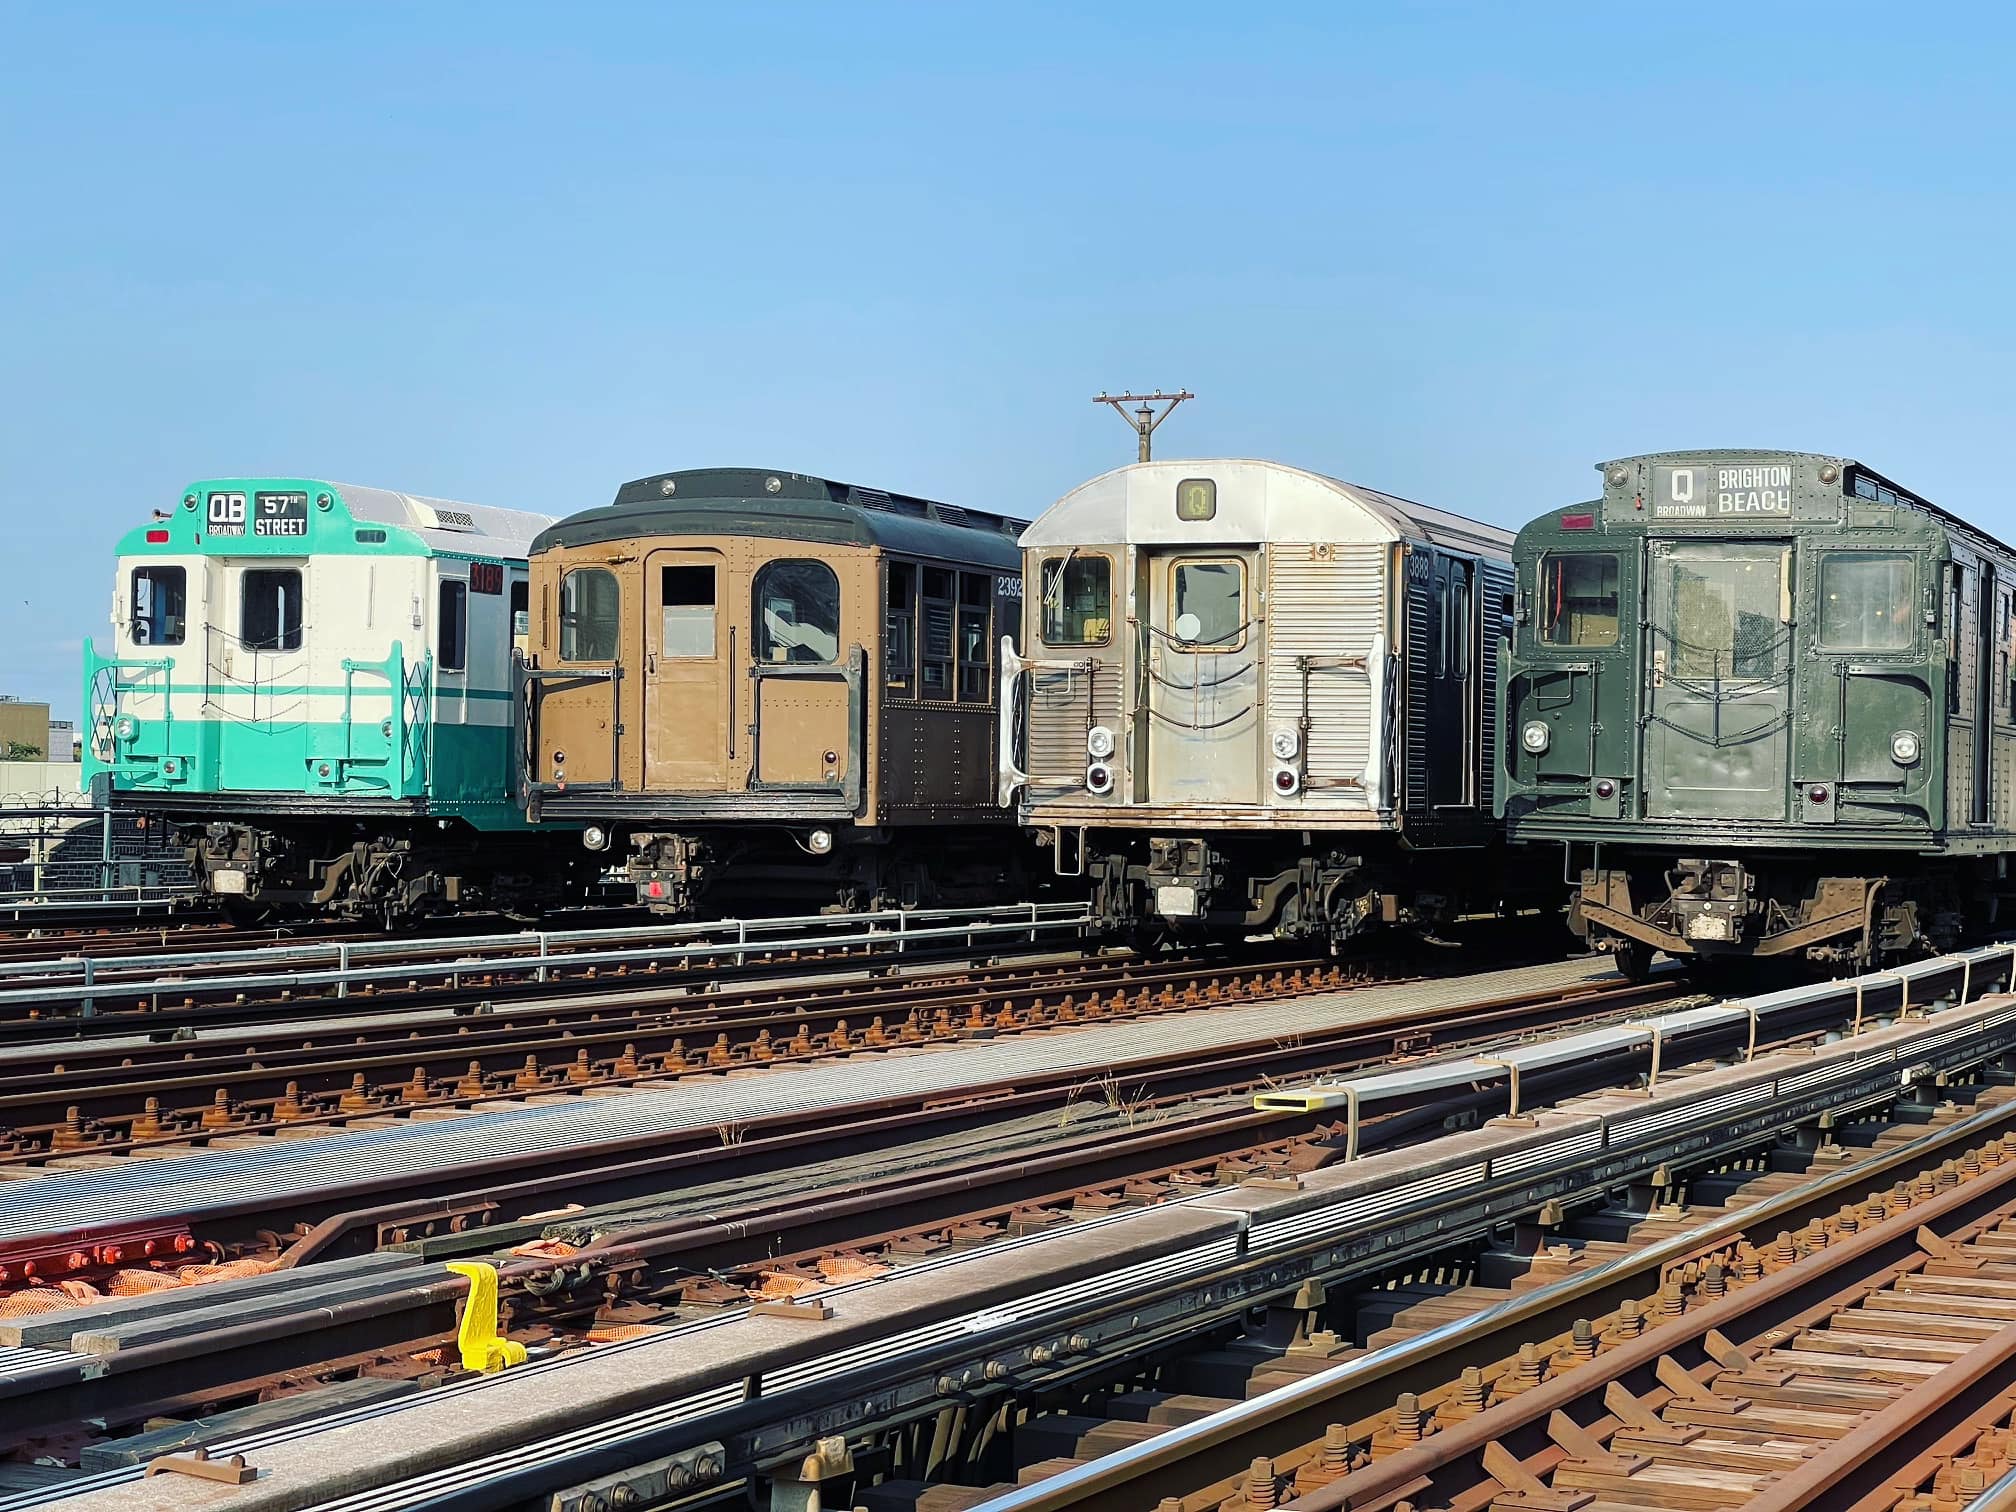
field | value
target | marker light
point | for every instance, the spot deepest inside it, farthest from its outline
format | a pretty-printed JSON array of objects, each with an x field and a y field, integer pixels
[
  {"x": 1904, "y": 747},
  {"x": 1099, "y": 742},
  {"x": 126, "y": 727},
  {"x": 157, "y": 538},
  {"x": 1817, "y": 793},
  {"x": 1099, "y": 778},
  {"x": 1286, "y": 782},
  {"x": 1536, "y": 737},
  {"x": 1605, "y": 788},
  {"x": 1578, "y": 522}
]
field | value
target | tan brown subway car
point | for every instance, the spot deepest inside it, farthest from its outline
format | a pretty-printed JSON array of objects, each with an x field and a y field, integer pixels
[{"x": 761, "y": 690}]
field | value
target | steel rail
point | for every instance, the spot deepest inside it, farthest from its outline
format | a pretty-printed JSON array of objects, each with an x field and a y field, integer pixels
[{"x": 1210, "y": 1449}]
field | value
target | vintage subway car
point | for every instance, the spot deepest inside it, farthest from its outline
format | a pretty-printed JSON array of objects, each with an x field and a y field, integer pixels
[
  {"x": 1259, "y": 699},
  {"x": 1761, "y": 703},
  {"x": 311, "y": 682},
  {"x": 761, "y": 690}
]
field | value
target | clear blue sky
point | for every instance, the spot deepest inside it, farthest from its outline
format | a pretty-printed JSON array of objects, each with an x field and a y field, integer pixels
[{"x": 519, "y": 254}]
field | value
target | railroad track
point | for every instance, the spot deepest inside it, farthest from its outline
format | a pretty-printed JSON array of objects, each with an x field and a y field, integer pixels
[
  {"x": 1118, "y": 1052},
  {"x": 1133, "y": 1304},
  {"x": 87, "y": 997}
]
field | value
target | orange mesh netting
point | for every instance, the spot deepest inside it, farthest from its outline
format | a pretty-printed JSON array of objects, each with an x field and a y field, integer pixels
[{"x": 37, "y": 1299}]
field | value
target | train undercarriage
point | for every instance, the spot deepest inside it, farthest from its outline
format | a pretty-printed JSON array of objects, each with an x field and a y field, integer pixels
[
  {"x": 391, "y": 874},
  {"x": 1755, "y": 907},
  {"x": 1276, "y": 885},
  {"x": 776, "y": 869}
]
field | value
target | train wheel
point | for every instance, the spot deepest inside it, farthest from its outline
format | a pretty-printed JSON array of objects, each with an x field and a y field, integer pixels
[{"x": 1633, "y": 959}]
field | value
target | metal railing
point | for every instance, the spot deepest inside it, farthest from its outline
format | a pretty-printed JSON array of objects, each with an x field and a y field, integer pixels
[{"x": 76, "y": 981}]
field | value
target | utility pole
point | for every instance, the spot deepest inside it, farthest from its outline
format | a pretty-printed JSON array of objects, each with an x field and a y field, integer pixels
[{"x": 1145, "y": 419}]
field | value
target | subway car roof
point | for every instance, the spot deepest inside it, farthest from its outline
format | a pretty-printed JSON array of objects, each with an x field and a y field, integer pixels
[
  {"x": 789, "y": 506},
  {"x": 1256, "y": 501},
  {"x": 445, "y": 524}
]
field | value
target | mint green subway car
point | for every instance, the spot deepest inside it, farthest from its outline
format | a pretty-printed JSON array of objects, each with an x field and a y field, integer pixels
[{"x": 311, "y": 683}]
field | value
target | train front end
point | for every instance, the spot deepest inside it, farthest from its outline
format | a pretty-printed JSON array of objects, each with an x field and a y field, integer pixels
[
  {"x": 310, "y": 682},
  {"x": 1725, "y": 701}
]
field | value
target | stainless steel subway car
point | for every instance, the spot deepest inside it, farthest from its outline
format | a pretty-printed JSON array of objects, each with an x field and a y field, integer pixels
[{"x": 1252, "y": 697}]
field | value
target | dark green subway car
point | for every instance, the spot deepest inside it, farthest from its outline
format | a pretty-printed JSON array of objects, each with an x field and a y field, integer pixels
[{"x": 1763, "y": 702}]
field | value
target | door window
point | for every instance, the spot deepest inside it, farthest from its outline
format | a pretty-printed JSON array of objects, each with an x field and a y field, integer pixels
[
  {"x": 269, "y": 609},
  {"x": 1578, "y": 600},
  {"x": 686, "y": 612},
  {"x": 797, "y": 613},
  {"x": 1208, "y": 605},
  {"x": 589, "y": 615},
  {"x": 451, "y": 629},
  {"x": 1077, "y": 595},
  {"x": 1865, "y": 601},
  {"x": 160, "y": 606},
  {"x": 1727, "y": 620}
]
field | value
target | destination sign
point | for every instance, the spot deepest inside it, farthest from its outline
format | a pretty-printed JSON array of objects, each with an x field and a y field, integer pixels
[
  {"x": 1735, "y": 491},
  {"x": 271, "y": 514}
]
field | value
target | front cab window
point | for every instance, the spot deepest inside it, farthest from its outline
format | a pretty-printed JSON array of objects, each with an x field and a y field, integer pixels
[
  {"x": 1076, "y": 593},
  {"x": 589, "y": 615},
  {"x": 1866, "y": 601},
  {"x": 797, "y": 613},
  {"x": 1578, "y": 599}
]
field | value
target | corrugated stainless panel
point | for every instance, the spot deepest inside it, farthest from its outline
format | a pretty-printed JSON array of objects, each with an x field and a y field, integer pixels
[
  {"x": 1063, "y": 703},
  {"x": 1494, "y": 592},
  {"x": 197, "y": 1183},
  {"x": 1416, "y": 650},
  {"x": 1325, "y": 607}
]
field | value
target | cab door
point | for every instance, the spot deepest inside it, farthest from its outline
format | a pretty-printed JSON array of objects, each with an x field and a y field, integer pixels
[
  {"x": 267, "y": 741},
  {"x": 1200, "y": 645},
  {"x": 807, "y": 683},
  {"x": 690, "y": 644},
  {"x": 1717, "y": 740}
]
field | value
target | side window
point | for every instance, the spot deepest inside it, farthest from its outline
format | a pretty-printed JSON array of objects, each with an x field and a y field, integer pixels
[
  {"x": 451, "y": 626},
  {"x": 1866, "y": 601},
  {"x": 521, "y": 609},
  {"x": 797, "y": 613},
  {"x": 2003, "y": 644},
  {"x": 686, "y": 612},
  {"x": 899, "y": 628},
  {"x": 941, "y": 607},
  {"x": 976, "y": 636},
  {"x": 1207, "y": 603},
  {"x": 1077, "y": 597},
  {"x": 590, "y": 604},
  {"x": 1578, "y": 600},
  {"x": 269, "y": 609},
  {"x": 160, "y": 606}
]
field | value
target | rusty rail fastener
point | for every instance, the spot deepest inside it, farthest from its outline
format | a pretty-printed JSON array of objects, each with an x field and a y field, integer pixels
[{"x": 231, "y": 1472}]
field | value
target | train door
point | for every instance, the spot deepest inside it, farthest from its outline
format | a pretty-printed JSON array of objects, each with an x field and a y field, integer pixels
[
  {"x": 1718, "y": 703},
  {"x": 1200, "y": 657},
  {"x": 268, "y": 740},
  {"x": 1452, "y": 683},
  {"x": 690, "y": 645}
]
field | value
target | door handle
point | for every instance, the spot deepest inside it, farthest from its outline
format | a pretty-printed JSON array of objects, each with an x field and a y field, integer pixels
[{"x": 1659, "y": 668}]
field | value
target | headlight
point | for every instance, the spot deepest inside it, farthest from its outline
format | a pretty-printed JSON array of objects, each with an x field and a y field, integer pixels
[
  {"x": 1536, "y": 737},
  {"x": 1904, "y": 747},
  {"x": 125, "y": 727},
  {"x": 594, "y": 837},
  {"x": 1099, "y": 742},
  {"x": 1286, "y": 744}
]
